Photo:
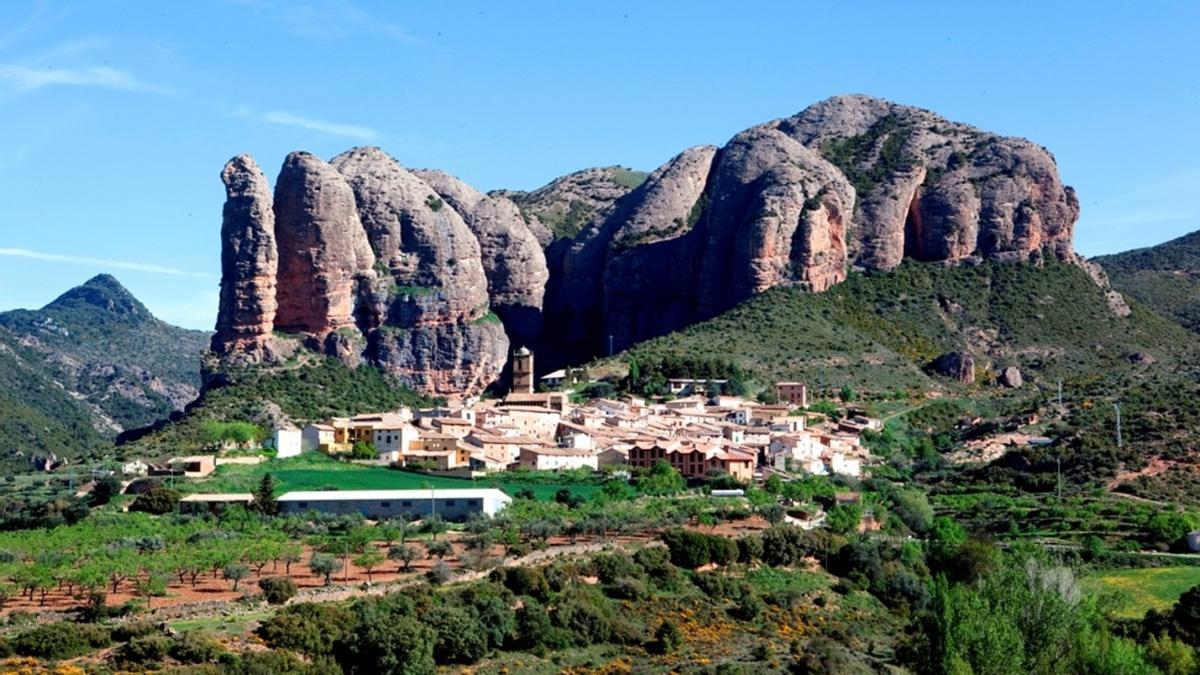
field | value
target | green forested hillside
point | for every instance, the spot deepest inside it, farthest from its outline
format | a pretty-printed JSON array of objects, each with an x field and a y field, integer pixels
[
  {"x": 878, "y": 332},
  {"x": 99, "y": 341},
  {"x": 1165, "y": 277}
]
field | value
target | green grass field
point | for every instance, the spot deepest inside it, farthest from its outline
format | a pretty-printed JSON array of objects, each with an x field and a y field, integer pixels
[
  {"x": 313, "y": 471},
  {"x": 1141, "y": 589}
]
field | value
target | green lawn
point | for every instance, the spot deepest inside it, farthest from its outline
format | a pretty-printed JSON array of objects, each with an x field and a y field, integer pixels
[
  {"x": 1140, "y": 589},
  {"x": 313, "y": 471}
]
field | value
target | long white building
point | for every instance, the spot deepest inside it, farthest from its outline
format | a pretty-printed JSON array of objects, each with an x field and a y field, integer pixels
[{"x": 450, "y": 504}]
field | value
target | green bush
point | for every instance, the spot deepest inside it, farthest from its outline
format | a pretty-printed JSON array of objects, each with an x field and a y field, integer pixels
[
  {"x": 586, "y": 616},
  {"x": 613, "y": 566},
  {"x": 307, "y": 627},
  {"x": 61, "y": 640},
  {"x": 142, "y": 651},
  {"x": 130, "y": 630},
  {"x": 157, "y": 500},
  {"x": 458, "y": 635},
  {"x": 195, "y": 647},
  {"x": 277, "y": 590},
  {"x": 627, "y": 589}
]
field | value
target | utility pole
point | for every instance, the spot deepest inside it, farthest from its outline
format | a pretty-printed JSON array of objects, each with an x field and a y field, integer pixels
[
  {"x": 1117, "y": 407},
  {"x": 610, "y": 345},
  {"x": 1060, "y": 393}
]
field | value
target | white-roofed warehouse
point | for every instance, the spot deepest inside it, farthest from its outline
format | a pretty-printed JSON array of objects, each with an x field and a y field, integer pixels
[{"x": 450, "y": 504}]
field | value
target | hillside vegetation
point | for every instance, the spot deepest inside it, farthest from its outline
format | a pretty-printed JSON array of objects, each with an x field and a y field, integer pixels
[
  {"x": 1165, "y": 277},
  {"x": 37, "y": 416},
  {"x": 100, "y": 342},
  {"x": 879, "y": 332},
  {"x": 310, "y": 389}
]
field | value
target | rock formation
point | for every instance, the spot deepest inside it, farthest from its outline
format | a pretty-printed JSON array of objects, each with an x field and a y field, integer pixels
[
  {"x": 564, "y": 206},
  {"x": 249, "y": 260},
  {"x": 1011, "y": 377},
  {"x": 958, "y": 366},
  {"x": 362, "y": 260},
  {"x": 429, "y": 309},
  {"x": 851, "y": 182},
  {"x": 512, "y": 256},
  {"x": 405, "y": 268},
  {"x": 323, "y": 247}
]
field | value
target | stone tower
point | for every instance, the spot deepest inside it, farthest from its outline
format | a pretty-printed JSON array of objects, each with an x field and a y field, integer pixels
[{"x": 522, "y": 375}]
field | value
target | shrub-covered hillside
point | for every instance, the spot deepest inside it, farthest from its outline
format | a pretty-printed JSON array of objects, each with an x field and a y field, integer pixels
[
  {"x": 310, "y": 388},
  {"x": 37, "y": 417},
  {"x": 879, "y": 332},
  {"x": 100, "y": 342},
  {"x": 1165, "y": 277}
]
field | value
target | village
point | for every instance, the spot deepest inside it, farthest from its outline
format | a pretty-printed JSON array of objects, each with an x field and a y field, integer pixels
[{"x": 700, "y": 433}]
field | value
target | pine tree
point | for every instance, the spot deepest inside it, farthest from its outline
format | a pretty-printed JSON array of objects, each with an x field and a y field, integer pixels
[{"x": 264, "y": 497}]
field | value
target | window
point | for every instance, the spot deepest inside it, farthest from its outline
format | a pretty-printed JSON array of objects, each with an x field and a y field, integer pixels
[
  {"x": 449, "y": 502},
  {"x": 303, "y": 505},
  {"x": 472, "y": 502},
  {"x": 406, "y": 503},
  {"x": 385, "y": 505}
]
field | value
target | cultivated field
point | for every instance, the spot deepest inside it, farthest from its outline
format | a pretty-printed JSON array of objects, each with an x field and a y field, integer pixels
[
  {"x": 314, "y": 471},
  {"x": 1142, "y": 589}
]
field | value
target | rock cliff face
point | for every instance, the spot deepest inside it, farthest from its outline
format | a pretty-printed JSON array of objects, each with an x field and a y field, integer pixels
[
  {"x": 511, "y": 254},
  {"x": 249, "y": 261},
  {"x": 323, "y": 247},
  {"x": 405, "y": 268},
  {"x": 851, "y": 182},
  {"x": 372, "y": 265}
]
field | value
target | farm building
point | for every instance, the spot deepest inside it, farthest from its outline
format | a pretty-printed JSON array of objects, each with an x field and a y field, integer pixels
[
  {"x": 213, "y": 502},
  {"x": 450, "y": 504}
]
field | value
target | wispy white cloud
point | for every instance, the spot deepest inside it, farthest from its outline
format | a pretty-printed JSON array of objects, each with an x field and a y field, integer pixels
[
  {"x": 26, "y": 78},
  {"x": 289, "y": 119},
  {"x": 100, "y": 262},
  {"x": 33, "y": 22},
  {"x": 329, "y": 20}
]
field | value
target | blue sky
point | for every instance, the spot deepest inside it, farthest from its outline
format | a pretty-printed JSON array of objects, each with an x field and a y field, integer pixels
[{"x": 116, "y": 117}]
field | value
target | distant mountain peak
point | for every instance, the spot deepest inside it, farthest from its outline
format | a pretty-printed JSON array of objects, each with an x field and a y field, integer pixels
[{"x": 104, "y": 292}]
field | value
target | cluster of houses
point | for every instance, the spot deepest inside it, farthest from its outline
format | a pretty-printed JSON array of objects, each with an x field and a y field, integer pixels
[{"x": 697, "y": 434}]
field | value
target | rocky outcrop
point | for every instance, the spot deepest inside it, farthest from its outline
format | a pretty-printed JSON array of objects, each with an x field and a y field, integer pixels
[
  {"x": 405, "y": 268},
  {"x": 958, "y": 366},
  {"x": 1011, "y": 377},
  {"x": 429, "y": 309},
  {"x": 564, "y": 206},
  {"x": 249, "y": 260},
  {"x": 512, "y": 257},
  {"x": 372, "y": 266},
  {"x": 851, "y": 182},
  {"x": 932, "y": 189},
  {"x": 323, "y": 249}
]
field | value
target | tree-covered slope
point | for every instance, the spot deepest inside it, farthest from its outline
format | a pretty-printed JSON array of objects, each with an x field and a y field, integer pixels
[
  {"x": 98, "y": 341},
  {"x": 1165, "y": 277},
  {"x": 879, "y": 332}
]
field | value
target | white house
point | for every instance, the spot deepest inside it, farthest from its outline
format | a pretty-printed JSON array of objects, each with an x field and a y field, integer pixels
[
  {"x": 287, "y": 442},
  {"x": 557, "y": 459},
  {"x": 392, "y": 442},
  {"x": 315, "y": 436},
  {"x": 554, "y": 380}
]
